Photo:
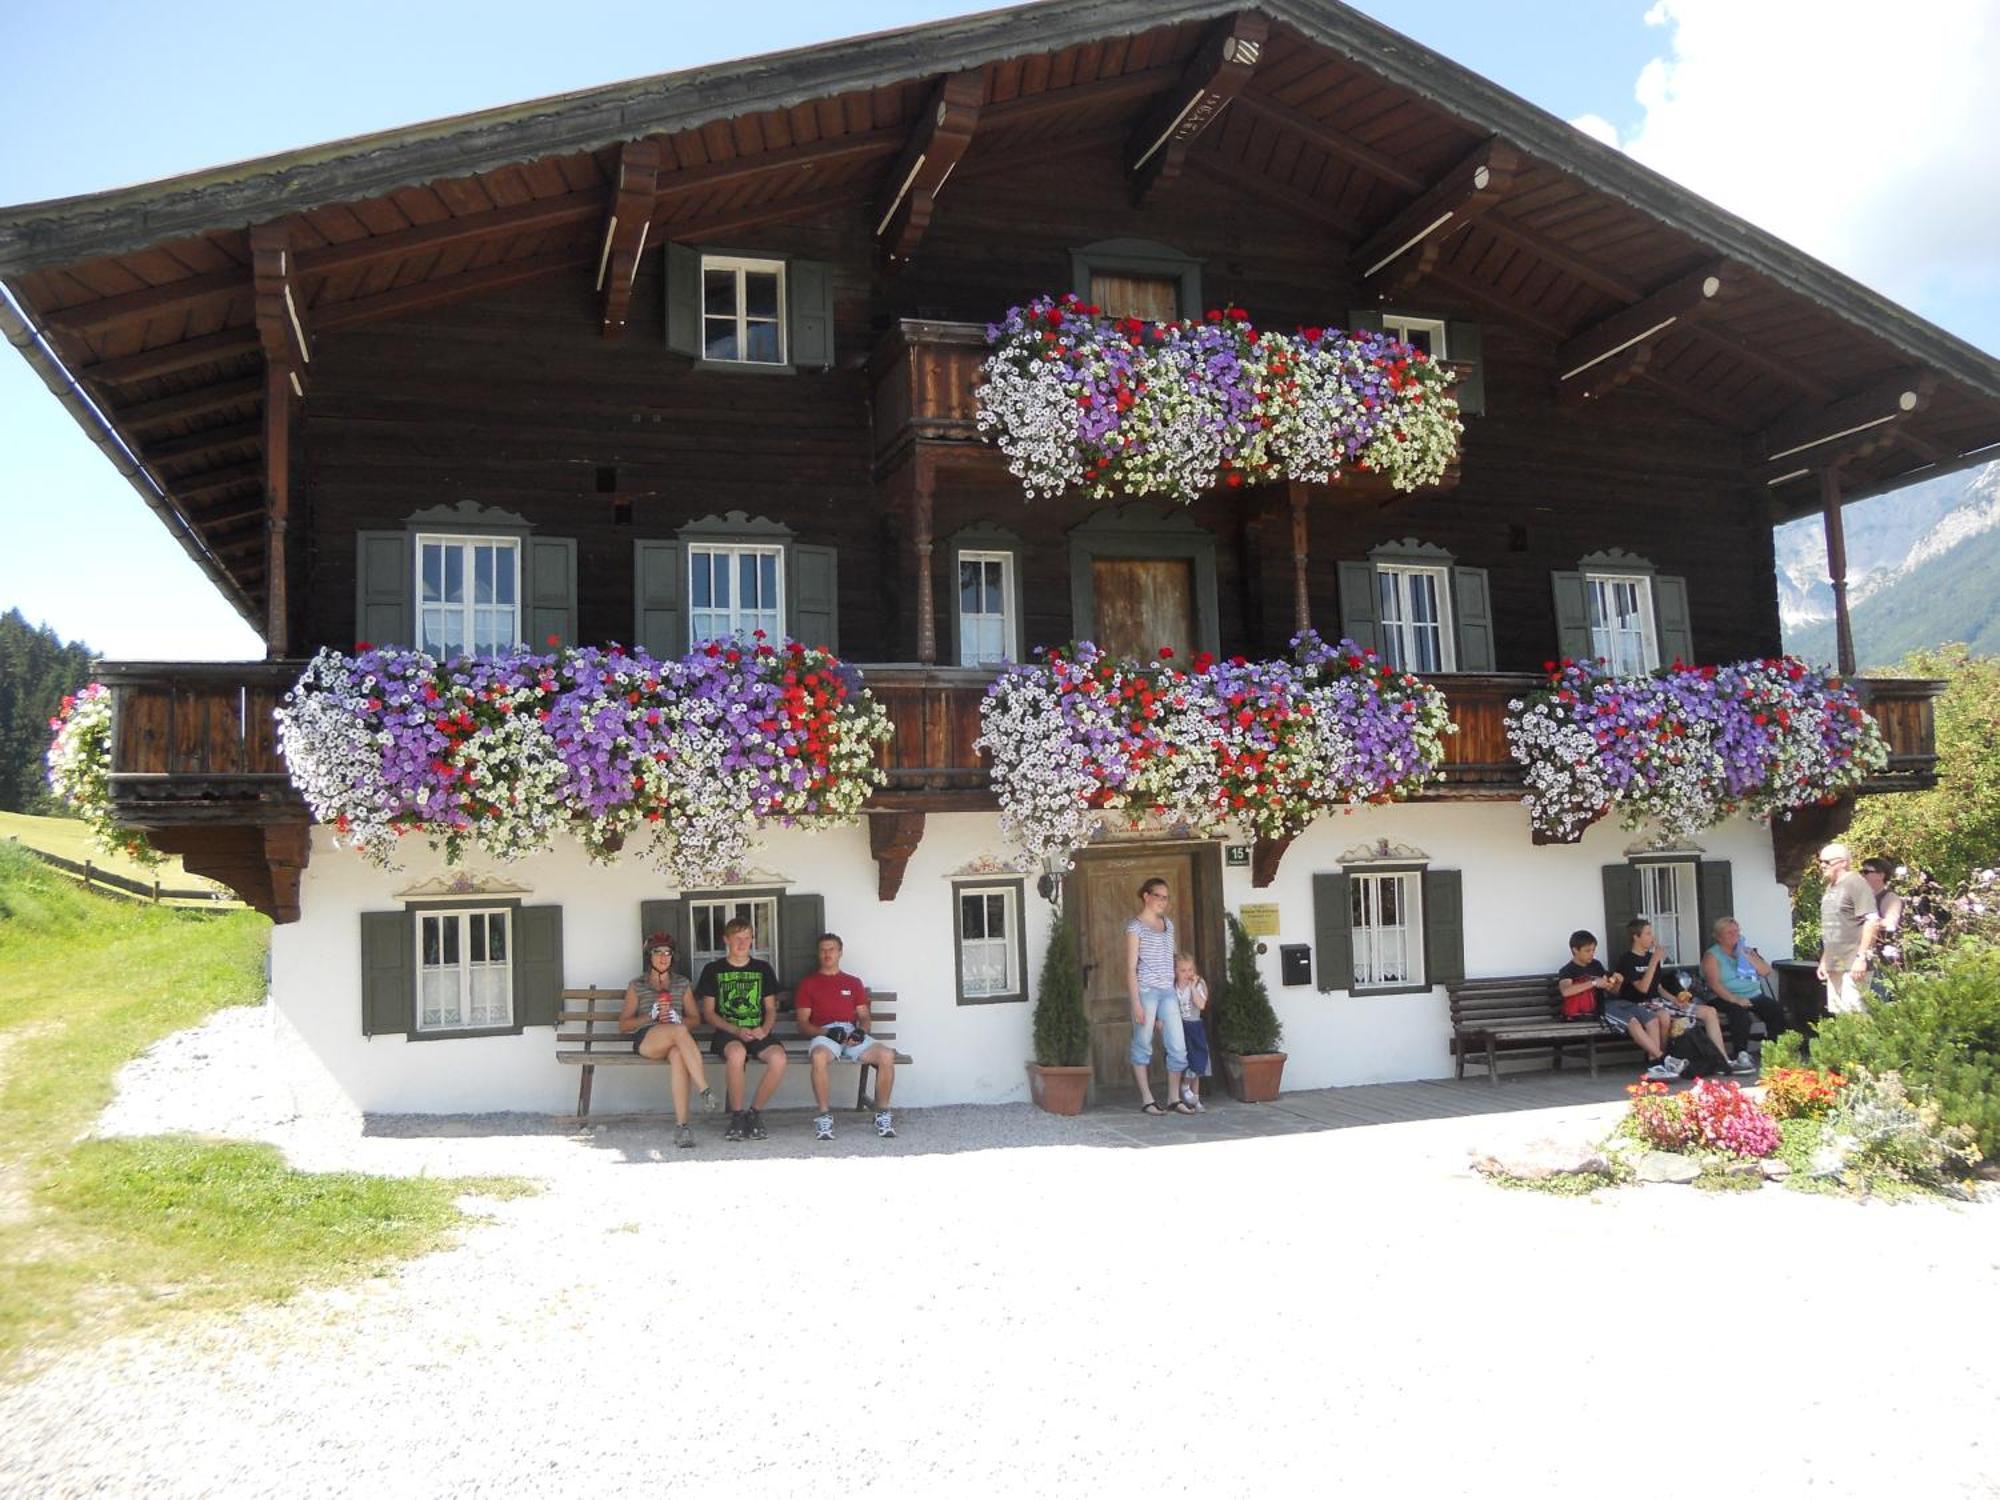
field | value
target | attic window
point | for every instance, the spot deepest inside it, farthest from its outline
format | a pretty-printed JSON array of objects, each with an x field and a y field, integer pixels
[{"x": 1153, "y": 299}]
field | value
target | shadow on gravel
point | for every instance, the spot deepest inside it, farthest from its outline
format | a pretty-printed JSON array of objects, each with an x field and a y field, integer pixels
[{"x": 949, "y": 1130}]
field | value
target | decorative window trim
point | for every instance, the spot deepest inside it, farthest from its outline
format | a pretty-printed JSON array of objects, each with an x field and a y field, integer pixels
[
  {"x": 1414, "y": 905},
  {"x": 989, "y": 539},
  {"x": 1016, "y": 890},
  {"x": 415, "y": 912},
  {"x": 740, "y": 262},
  {"x": 1384, "y": 853},
  {"x": 1615, "y": 560},
  {"x": 516, "y": 542},
  {"x": 1140, "y": 529},
  {"x": 1139, "y": 258}
]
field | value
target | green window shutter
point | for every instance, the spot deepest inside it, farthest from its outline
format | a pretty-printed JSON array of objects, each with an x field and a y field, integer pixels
[
  {"x": 1360, "y": 607},
  {"x": 1462, "y": 346},
  {"x": 1715, "y": 896},
  {"x": 388, "y": 973},
  {"x": 1334, "y": 967},
  {"x": 809, "y": 286},
  {"x": 801, "y": 919},
  {"x": 1444, "y": 926},
  {"x": 684, "y": 300},
  {"x": 551, "y": 590},
  {"x": 538, "y": 965},
  {"x": 669, "y": 917},
  {"x": 382, "y": 588},
  {"x": 815, "y": 613},
  {"x": 1572, "y": 616},
  {"x": 659, "y": 574},
  {"x": 1670, "y": 615},
  {"x": 1473, "y": 606},
  {"x": 1364, "y": 320},
  {"x": 1621, "y": 904}
]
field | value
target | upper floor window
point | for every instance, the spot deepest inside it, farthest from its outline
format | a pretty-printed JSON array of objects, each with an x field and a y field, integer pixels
[
  {"x": 1131, "y": 278},
  {"x": 1427, "y": 334},
  {"x": 742, "y": 310},
  {"x": 1621, "y": 620},
  {"x": 985, "y": 608},
  {"x": 1415, "y": 605},
  {"x": 465, "y": 971},
  {"x": 468, "y": 595},
  {"x": 734, "y": 590},
  {"x": 1151, "y": 299}
]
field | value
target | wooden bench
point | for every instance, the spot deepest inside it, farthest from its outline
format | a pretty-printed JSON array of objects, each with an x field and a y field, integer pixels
[
  {"x": 587, "y": 1037},
  {"x": 1517, "y": 1014}
]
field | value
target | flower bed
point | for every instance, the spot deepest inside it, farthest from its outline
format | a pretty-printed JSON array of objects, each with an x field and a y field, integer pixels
[
  {"x": 1121, "y": 407},
  {"x": 1688, "y": 746},
  {"x": 507, "y": 752},
  {"x": 1714, "y": 1115},
  {"x": 1266, "y": 746},
  {"x": 80, "y": 771}
]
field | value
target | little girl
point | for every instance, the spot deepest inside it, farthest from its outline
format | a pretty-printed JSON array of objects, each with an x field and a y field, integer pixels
[{"x": 1191, "y": 991}]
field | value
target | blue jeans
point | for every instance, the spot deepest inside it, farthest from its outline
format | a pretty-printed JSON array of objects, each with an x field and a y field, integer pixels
[{"x": 1159, "y": 1005}]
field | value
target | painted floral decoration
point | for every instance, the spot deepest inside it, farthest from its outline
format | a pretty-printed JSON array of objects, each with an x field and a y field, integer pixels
[
  {"x": 1266, "y": 746},
  {"x": 1123, "y": 407},
  {"x": 507, "y": 752},
  {"x": 1686, "y": 747},
  {"x": 80, "y": 771}
]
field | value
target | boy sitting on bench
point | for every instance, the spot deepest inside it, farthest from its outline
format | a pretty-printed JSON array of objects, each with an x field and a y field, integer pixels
[{"x": 1645, "y": 1024}]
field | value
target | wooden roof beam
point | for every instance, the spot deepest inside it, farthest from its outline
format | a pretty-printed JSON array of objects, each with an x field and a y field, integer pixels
[
  {"x": 147, "y": 303},
  {"x": 207, "y": 440},
  {"x": 169, "y": 358},
  {"x": 210, "y": 480},
  {"x": 543, "y": 213},
  {"x": 1335, "y": 143},
  {"x": 198, "y": 402},
  {"x": 1815, "y": 437},
  {"x": 634, "y": 197},
  {"x": 1608, "y": 353},
  {"x": 1215, "y": 75},
  {"x": 1404, "y": 250},
  {"x": 422, "y": 294},
  {"x": 281, "y": 326},
  {"x": 938, "y": 140},
  {"x": 1787, "y": 372}
]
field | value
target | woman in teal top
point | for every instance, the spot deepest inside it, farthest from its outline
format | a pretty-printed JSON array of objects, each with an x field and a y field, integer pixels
[{"x": 1736, "y": 973}]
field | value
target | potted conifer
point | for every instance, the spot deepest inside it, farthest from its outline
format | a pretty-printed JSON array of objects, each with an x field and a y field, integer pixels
[
  {"x": 1247, "y": 1028},
  {"x": 1059, "y": 1076}
]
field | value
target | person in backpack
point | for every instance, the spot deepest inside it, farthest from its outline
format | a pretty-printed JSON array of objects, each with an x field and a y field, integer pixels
[{"x": 1583, "y": 976}]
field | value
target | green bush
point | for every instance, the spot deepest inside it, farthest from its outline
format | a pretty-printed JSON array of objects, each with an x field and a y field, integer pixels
[
  {"x": 1246, "y": 1025},
  {"x": 1062, "y": 1031},
  {"x": 1882, "y": 1139},
  {"x": 1941, "y": 1032}
]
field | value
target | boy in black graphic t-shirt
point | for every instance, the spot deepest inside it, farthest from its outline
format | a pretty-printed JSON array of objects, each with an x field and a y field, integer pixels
[{"x": 739, "y": 997}]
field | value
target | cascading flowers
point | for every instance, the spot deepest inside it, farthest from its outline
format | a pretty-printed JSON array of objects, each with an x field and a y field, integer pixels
[
  {"x": 80, "y": 771},
  {"x": 1121, "y": 407},
  {"x": 508, "y": 752},
  {"x": 1687, "y": 747},
  {"x": 1265, "y": 746}
]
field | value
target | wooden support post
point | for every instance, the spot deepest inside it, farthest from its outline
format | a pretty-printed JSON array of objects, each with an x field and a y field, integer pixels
[
  {"x": 1836, "y": 567},
  {"x": 1301, "y": 593},
  {"x": 1216, "y": 74},
  {"x": 923, "y": 481},
  {"x": 281, "y": 333}
]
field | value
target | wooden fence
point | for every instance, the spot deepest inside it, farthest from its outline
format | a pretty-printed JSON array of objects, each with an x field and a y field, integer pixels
[{"x": 124, "y": 885}]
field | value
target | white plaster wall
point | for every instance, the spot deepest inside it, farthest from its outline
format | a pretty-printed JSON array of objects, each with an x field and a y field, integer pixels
[{"x": 1521, "y": 902}]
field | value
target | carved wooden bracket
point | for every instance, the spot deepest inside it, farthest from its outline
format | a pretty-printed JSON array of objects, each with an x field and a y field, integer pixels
[
  {"x": 1264, "y": 857},
  {"x": 1797, "y": 838},
  {"x": 892, "y": 838},
  {"x": 287, "y": 848}
]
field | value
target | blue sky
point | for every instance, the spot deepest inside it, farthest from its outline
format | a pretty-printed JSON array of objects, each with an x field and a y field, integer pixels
[{"x": 193, "y": 88}]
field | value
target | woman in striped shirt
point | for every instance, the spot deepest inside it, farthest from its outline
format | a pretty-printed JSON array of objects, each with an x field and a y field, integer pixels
[{"x": 1149, "y": 980}]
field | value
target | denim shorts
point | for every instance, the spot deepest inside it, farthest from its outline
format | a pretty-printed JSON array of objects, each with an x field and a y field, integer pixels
[{"x": 1159, "y": 1006}]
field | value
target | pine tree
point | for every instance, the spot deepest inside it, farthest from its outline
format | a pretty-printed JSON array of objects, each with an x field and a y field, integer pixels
[
  {"x": 1246, "y": 1025},
  {"x": 37, "y": 667},
  {"x": 1062, "y": 1031}
]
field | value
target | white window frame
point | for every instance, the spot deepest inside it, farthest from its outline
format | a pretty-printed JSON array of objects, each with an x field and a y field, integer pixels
[
  {"x": 1009, "y": 637},
  {"x": 465, "y": 542},
  {"x": 1604, "y": 640},
  {"x": 1008, "y": 945},
  {"x": 465, "y": 968},
  {"x": 740, "y": 628},
  {"x": 1368, "y": 935},
  {"x": 760, "y": 909},
  {"x": 1399, "y": 326},
  {"x": 1684, "y": 943},
  {"x": 740, "y": 264},
  {"x": 1399, "y": 635}
]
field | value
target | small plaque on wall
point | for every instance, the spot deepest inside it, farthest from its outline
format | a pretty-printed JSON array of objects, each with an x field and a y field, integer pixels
[
  {"x": 1236, "y": 854},
  {"x": 1260, "y": 918}
]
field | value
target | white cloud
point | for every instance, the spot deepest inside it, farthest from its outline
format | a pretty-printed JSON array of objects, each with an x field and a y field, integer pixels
[
  {"x": 1866, "y": 134},
  {"x": 1597, "y": 128}
]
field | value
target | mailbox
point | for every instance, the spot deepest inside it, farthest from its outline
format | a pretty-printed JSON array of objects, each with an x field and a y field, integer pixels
[{"x": 1295, "y": 963}]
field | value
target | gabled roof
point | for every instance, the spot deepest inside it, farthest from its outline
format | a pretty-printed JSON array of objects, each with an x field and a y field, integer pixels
[{"x": 144, "y": 292}]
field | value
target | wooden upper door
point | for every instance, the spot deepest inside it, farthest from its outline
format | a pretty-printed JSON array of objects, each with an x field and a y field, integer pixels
[
  {"x": 1107, "y": 886},
  {"x": 1142, "y": 604}
]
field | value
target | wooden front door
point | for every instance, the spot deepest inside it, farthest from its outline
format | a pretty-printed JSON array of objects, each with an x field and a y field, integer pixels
[
  {"x": 1142, "y": 604},
  {"x": 1107, "y": 885}
]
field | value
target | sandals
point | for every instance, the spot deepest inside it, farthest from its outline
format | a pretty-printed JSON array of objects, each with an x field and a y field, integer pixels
[
  {"x": 1151, "y": 1107},
  {"x": 1182, "y": 1107},
  {"x": 1178, "y": 1107}
]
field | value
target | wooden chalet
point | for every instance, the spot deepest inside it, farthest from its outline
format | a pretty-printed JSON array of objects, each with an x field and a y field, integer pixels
[{"x": 730, "y": 317}]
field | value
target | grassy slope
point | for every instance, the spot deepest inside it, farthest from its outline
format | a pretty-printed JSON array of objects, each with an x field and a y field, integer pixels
[
  {"x": 100, "y": 1235},
  {"x": 69, "y": 839}
]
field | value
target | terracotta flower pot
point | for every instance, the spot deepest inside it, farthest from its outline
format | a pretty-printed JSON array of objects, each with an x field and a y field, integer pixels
[
  {"x": 1060, "y": 1091},
  {"x": 1255, "y": 1079}
]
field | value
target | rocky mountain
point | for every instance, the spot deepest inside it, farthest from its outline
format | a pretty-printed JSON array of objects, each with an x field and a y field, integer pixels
[{"x": 1923, "y": 568}]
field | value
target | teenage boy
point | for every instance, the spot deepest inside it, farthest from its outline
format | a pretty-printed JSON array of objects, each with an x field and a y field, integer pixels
[
  {"x": 832, "y": 1009},
  {"x": 1645, "y": 1024},
  {"x": 739, "y": 997},
  {"x": 1640, "y": 968}
]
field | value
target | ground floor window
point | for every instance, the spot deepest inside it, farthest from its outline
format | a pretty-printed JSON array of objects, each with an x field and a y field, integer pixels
[
  {"x": 708, "y": 916},
  {"x": 990, "y": 950},
  {"x": 1667, "y": 899},
  {"x": 465, "y": 970},
  {"x": 1387, "y": 927}
]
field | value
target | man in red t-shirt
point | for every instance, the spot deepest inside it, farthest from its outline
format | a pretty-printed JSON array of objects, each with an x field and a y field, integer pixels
[{"x": 832, "y": 1009}]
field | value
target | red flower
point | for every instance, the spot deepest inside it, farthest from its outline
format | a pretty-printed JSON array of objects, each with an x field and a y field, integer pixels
[
  {"x": 554, "y": 639},
  {"x": 1166, "y": 653}
]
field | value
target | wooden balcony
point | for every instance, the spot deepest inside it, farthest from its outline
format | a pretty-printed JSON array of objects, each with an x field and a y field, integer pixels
[{"x": 195, "y": 762}]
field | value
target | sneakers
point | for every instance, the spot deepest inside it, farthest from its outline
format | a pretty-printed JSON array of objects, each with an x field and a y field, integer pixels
[
  {"x": 736, "y": 1129},
  {"x": 753, "y": 1125},
  {"x": 1744, "y": 1063},
  {"x": 684, "y": 1137},
  {"x": 1191, "y": 1095},
  {"x": 885, "y": 1125},
  {"x": 1662, "y": 1071},
  {"x": 1675, "y": 1066},
  {"x": 709, "y": 1102},
  {"x": 822, "y": 1127}
]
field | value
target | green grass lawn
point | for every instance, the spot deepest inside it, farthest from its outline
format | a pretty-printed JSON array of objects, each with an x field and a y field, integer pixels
[
  {"x": 99, "y": 1236},
  {"x": 69, "y": 838}
]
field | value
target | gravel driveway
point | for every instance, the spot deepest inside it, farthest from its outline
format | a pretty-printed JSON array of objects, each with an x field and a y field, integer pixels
[{"x": 980, "y": 1309}]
